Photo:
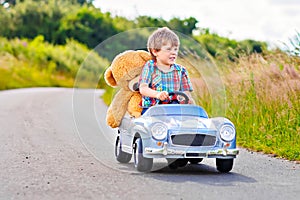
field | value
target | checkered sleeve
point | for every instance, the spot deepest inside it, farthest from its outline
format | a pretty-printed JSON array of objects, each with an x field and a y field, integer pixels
[
  {"x": 186, "y": 84},
  {"x": 145, "y": 76}
]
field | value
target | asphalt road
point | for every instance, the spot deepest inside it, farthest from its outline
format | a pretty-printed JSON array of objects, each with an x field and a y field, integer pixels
[{"x": 55, "y": 144}]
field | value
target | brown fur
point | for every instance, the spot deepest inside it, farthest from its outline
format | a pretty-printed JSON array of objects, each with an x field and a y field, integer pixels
[{"x": 125, "y": 67}]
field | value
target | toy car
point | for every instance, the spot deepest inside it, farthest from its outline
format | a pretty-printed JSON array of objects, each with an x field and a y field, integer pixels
[{"x": 181, "y": 133}]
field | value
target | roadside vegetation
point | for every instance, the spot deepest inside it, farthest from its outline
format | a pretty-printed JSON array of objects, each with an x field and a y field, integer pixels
[
  {"x": 263, "y": 101},
  {"x": 46, "y": 43},
  {"x": 36, "y": 63}
]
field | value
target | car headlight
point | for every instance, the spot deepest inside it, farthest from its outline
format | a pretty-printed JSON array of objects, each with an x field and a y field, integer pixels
[
  {"x": 159, "y": 131},
  {"x": 227, "y": 133}
]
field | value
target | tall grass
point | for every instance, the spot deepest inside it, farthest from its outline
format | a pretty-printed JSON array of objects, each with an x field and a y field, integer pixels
[{"x": 263, "y": 100}]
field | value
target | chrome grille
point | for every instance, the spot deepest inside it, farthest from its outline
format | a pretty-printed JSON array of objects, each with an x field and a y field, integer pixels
[{"x": 193, "y": 140}]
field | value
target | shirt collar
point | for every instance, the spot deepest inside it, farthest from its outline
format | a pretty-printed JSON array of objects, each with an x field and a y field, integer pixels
[{"x": 173, "y": 67}]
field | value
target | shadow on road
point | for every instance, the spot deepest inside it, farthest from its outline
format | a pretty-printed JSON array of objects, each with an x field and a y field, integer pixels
[{"x": 197, "y": 173}]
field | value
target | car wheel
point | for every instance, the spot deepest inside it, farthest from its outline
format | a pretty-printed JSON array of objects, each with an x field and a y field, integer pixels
[
  {"x": 195, "y": 160},
  {"x": 141, "y": 163},
  {"x": 224, "y": 165},
  {"x": 121, "y": 156},
  {"x": 174, "y": 164}
]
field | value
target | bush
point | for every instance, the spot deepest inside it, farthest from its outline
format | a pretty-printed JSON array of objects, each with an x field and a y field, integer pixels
[{"x": 31, "y": 63}]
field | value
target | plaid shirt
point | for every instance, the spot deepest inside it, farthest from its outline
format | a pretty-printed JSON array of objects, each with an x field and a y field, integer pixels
[{"x": 175, "y": 80}]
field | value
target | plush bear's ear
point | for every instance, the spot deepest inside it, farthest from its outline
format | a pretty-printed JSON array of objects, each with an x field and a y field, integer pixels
[{"x": 109, "y": 77}]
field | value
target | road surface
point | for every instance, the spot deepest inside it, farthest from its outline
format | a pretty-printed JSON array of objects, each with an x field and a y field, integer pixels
[{"x": 55, "y": 145}]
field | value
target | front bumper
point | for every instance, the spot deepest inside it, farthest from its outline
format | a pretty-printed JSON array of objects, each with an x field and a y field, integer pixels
[{"x": 166, "y": 151}]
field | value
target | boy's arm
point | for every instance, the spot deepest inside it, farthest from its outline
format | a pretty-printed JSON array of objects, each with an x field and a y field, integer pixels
[{"x": 146, "y": 91}]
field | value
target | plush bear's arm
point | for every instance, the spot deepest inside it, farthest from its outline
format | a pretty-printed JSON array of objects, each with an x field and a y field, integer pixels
[
  {"x": 118, "y": 108},
  {"x": 134, "y": 108}
]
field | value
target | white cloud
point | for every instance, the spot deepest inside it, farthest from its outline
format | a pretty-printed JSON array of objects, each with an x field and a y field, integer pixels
[{"x": 270, "y": 20}]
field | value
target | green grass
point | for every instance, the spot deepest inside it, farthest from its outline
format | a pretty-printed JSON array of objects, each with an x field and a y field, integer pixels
[
  {"x": 268, "y": 126},
  {"x": 262, "y": 95},
  {"x": 264, "y": 103},
  {"x": 35, "y": 63}
]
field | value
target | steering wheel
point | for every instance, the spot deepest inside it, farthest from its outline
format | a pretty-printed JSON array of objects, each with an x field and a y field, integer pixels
[{"x": 182, "y": 98}]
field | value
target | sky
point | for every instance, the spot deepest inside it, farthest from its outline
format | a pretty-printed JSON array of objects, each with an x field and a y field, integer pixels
[{"x": 272, "y": 21}]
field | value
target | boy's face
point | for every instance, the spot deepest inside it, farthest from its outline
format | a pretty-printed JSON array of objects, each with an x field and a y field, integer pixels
[{"x": 167, "y": 55}]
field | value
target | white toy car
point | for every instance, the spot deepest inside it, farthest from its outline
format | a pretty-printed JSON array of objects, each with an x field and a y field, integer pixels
[{"x": 181, "y": 133}]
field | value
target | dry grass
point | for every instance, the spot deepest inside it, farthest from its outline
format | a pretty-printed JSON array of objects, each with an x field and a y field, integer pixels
[{"x": 263, "y": 96}]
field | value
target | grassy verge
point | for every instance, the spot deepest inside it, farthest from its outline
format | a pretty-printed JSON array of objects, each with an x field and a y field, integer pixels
[
  {"x": 263, "y": 100},
  {"x": 19, "y": 74},
  {"x": 35, "y": 63}
]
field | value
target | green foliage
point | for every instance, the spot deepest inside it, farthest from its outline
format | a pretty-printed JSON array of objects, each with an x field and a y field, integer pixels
[
  {"x": 129, "y": 40},
  {"x": 185, "y": 26},
  {"x": 224, "y": 48},
  {"x": 29, "y": 63},
  {"x": 5, "y": 20},
  {"x": 147, "y": 21},
  {"x": 31, "y": 18},
  {"x": 87, "y": 25},
  {"x": 123, "y": 24},
  {"x": 58, "y": 20},
  {"x": 271, "y": 127}
]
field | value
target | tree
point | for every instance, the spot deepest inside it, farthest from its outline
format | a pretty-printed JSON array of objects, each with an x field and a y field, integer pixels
[
  {"x": 123, "y": 24},
  {"x": 31, "y": 18},
  {"x": 185, "y": 26},
  {"x": 87, "y": 25},
  {"x": 147, "y": 21},
  {"x": 225, "y": 48}
]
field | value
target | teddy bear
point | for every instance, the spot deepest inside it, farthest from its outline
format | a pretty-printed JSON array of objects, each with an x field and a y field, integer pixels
[{"x": 124, "y": 72}]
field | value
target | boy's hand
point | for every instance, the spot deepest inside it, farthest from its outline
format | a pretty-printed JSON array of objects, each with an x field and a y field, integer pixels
[{"x": 162, "y": 95}]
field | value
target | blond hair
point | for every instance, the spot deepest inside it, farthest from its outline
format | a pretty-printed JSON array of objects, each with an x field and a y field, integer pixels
[{"x": 161, "y": 37}]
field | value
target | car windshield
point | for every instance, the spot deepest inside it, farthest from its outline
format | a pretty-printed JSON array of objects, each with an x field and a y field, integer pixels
[
  {"x": 176, "y": 122},
  {"x": 176, "y": 110}
]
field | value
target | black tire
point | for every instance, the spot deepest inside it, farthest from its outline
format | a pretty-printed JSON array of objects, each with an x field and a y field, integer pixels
[
  {"x": 174, "y": 164},
  {"x": 141, "y": 163},
  {"x": 224, "y": 165},
  {"x": 121, "y": 156},
  {"x": 195, "y": 160}
]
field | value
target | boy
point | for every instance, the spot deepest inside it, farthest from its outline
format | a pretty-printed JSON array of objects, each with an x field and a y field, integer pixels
[{"x": 162, "y": 75}]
